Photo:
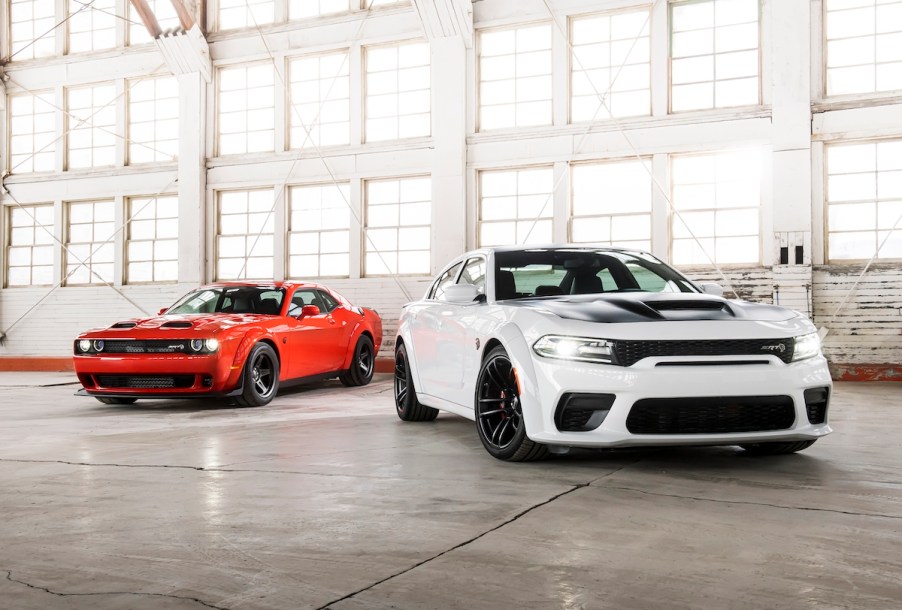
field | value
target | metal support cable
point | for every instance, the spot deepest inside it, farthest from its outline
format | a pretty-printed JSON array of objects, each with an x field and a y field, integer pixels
[{"x": 51, "y": 30}]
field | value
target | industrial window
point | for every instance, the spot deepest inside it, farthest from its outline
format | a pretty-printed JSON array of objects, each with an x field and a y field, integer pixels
[
  {"x": 714, "y": 54},
  {"x": 31, "y": 25},
  {"x": 246, "y": 109},
  {"x": 245, "y": 13},
  {"x": 864, "y": 200},
  {"x": 244, "y": 240},
  {"x": 320, "y": 100},
  {"x": 398, "y": 224},
  {"x": 153, "y": 232},
  {"x": 164, "y": 12},
  {"x": 29, "y": 253},
  {"x": 32, "y": 145},
  {"x": 302, "y": 9},
  {"x": 89, "y": 242},
  {"x": 91, "y": 141},
  {"x": 864, "y": 46},
  {"x": 153, "y": 120},
  {"x": 397, "y": 91},
  {"x": 319, "y": 235},
  {"x": 515, "y": 206},
  {"x": 717, "y": 202},
  {"x": 611, "y": 60},
  {"x": 372, "y": 3},
  {"x": 515, "y": 77},
  {"x": 612, "y": 204},
  {"x": 91, "y": 27}
]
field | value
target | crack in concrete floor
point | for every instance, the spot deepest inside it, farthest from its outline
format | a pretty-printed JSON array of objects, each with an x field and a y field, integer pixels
[{"x": 9, "y": 577}]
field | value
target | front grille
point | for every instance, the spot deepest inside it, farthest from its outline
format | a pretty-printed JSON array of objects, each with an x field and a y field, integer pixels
[
  {"x": 149, "y": 346},
  {"x": 711, "y": 415},
  {"x": 145, "y": 381},
  {"x": 630, "y": 352}
]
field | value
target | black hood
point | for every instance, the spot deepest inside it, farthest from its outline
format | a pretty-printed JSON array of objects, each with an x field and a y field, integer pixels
[{"x": 650, "y": 307}]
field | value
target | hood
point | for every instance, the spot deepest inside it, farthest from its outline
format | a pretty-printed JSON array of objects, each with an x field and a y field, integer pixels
[
  {"x": 651, "y": 307},
  {"x": 196, "y": 322}
]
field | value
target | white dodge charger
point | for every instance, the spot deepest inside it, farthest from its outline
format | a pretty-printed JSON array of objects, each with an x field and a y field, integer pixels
[{"x": 552, "y": 347}]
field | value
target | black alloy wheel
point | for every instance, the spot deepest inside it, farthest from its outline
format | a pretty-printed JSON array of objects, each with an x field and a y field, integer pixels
[
  {"x": 363, "y": 364},
  {"x": 499, "y": 414},
  {"x": 261, "y": 377},
  {"x": 406, "y": 403}
]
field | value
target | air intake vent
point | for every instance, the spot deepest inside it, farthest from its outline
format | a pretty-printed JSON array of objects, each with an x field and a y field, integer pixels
[
  {"x": 177, "y": 325},
  {"x": 124, "y": 325},
  {"x": 685, "y": 305}
]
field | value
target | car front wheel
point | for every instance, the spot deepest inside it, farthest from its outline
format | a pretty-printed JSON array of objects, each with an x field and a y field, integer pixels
[
  {"x": 776, "y": 448},
  {"x": 260, "y": 376},
  {"x": 406, "y": 403},
  {"x": 499, "y": 414}
]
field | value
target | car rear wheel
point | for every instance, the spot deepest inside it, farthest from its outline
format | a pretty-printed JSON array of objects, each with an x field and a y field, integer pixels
[
  {"x": 776, "y": 448},
  {"x": 260, "y": 376},
  {"x": 113, "y": 400},
  {"x": 406, "y": 403},
  {"x": 499, "y": 414},
  {"x": 362, "y": 365}
]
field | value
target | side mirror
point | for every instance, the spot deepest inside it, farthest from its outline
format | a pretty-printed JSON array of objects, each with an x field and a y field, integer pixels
[
  {"x": 162, "y": 311},
  {"x": 308, "y": 310},
  {"x": 712, "y": 288},
  {"x": 461, "y": 293}
]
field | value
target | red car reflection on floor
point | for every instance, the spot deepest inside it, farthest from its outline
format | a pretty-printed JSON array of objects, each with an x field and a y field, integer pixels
[{"x": 237, "y": 339}]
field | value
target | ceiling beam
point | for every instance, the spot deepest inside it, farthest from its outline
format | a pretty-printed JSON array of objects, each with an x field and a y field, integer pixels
[
  {"x": 186, "y": 19},
  {"x": 446, "y": 19},
  {"x": 147, "y": 16}
]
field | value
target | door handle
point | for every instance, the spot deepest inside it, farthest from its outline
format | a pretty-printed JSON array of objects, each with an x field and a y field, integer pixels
[{"x": 331, "y": 320}]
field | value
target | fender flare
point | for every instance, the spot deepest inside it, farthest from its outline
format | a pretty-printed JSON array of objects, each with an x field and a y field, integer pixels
[
  {"x": 359, "y": 329},
  {"x": 250, "y": 339},
  {"x": 403, "y": 335}
]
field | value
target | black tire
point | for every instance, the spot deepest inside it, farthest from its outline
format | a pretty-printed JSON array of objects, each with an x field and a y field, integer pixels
[
  {"x": 499, "y": 415},
  {"x": 260, "y": 377},
  {"x": 362, "y": 364},
  {"x": 114, "y": 400},
  {"x": 776, "y": 448},
  {"x": 406, "y": 403}
]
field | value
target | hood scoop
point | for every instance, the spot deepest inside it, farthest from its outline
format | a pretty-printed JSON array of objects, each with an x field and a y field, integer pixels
[
  {"x": 124, "y": 325},
  {"x": 685, "y": 305},
  {"x": 177, "y": 324}
]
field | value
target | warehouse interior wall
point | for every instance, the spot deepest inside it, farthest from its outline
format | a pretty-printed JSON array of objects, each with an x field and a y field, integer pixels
[{"x": 498, "y": 136}]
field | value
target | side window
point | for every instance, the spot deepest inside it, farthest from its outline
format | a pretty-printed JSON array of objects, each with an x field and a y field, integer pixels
[
  {"x": 329, "y": 303},
  {"x": 304, "y": 297},
  {"x": 448, "y": 277},
  {"x": 474, "y": 273}
]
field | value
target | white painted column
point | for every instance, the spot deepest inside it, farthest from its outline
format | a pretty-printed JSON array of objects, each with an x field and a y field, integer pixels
[
  {"x": 449, "y": 86},
  {"x": 192, "y": 177},
  {"x": 790, "y": 27}
]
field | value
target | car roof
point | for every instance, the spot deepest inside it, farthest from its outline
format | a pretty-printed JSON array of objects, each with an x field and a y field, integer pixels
[
  {"x": 583, "y": 246},
  {"x": 262, "y": 284}
]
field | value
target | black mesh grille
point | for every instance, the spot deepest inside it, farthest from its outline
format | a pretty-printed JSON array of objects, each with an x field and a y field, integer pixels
[
  {"x": 630, "y": 352},
  {"x": 145, "y": 381},
  {"x": 816, "y": 401},
  {"x": 711, "y": 415},
  {"x": 151, "y": 346}
]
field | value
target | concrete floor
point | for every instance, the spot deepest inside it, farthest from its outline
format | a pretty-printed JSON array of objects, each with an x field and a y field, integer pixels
[{"x": 325, "y": 499}]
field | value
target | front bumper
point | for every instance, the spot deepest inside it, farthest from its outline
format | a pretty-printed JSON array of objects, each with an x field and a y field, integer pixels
[
  {"x": 670, "y": 378},
  {"x": 147, "y": 375}
]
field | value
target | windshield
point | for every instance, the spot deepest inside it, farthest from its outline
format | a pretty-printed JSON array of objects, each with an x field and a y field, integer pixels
[
  {"x": 540, "y": 273},
  {"x": 231, "y": 299}
]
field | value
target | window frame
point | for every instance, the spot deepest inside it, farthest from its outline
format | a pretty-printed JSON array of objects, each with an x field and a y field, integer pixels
[{"x": 127, "y": 239}]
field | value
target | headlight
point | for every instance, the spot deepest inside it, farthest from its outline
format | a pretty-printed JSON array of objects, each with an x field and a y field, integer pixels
[
  {"x": 211, "y": 344},
  {"x": 583, "y": 349},
  {"x": 203, "y": 346},
  {"x": 196, "y": 345},
  {"x": 84, "y": 345},
  {"x": 806, "y": 346},
  {"x": 98, "y": 345}
]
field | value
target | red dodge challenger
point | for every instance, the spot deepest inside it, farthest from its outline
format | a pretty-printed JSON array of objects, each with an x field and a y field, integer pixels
[{"x": 236, "y": 339}]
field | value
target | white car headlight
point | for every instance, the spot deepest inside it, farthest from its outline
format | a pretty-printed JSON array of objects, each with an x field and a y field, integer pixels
[
  {"x": 806, "y": 346},
  {"x": 583, "y": 349}
]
